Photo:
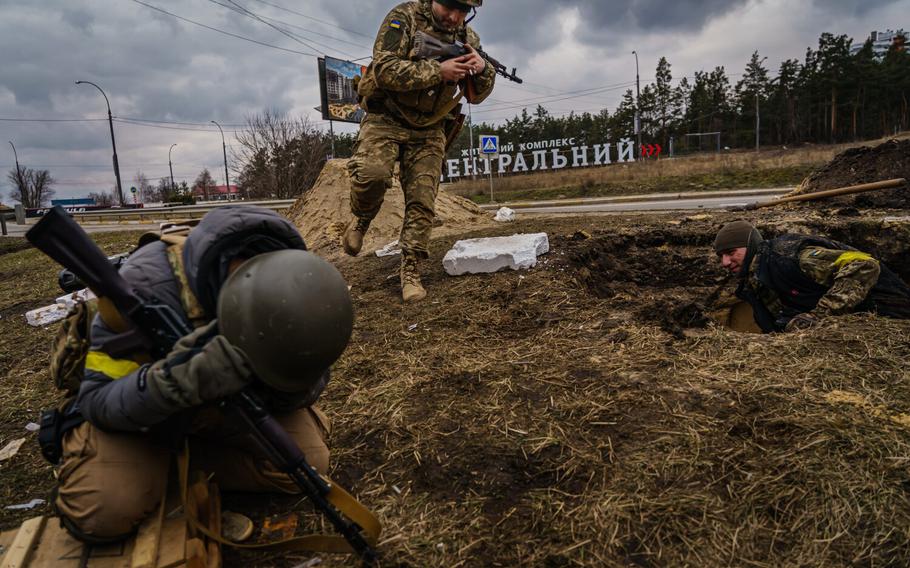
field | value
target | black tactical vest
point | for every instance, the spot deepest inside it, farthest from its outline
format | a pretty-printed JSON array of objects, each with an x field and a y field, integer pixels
[{"x": 778, "y": 269}]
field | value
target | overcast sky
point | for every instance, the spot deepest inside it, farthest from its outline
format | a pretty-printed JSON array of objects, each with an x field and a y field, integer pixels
[{"x": 161, "y": 70}]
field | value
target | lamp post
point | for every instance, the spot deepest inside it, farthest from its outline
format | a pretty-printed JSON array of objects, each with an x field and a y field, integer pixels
[
  {"x": 171, "y": 166},
  {"x": 637, "y": 105},
  {"x": 110, "y": 120},
  {"x": 18, "y": 172},
  {"x": 227, "y": 181}
]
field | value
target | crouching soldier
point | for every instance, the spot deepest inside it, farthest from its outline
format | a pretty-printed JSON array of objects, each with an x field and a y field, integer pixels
[
  {"x": 283, "y": 316},
  {"x": 793, "y": 281}
]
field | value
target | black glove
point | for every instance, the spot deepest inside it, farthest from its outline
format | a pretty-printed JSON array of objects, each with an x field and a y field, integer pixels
[{"x": 199, "y": 370}]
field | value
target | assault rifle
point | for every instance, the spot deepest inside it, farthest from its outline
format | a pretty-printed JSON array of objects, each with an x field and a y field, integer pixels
[
  {"x": 428, "y": 47},
  {"x": 156, "y": 327}
]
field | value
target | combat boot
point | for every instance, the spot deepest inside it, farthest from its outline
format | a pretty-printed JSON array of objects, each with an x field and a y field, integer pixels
[
  {"x": 411, "y": 288},
  {"x": 352, "y": 241}
]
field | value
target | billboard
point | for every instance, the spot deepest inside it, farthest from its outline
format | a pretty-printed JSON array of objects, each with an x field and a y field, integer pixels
[{"x": 336, "y": 84}]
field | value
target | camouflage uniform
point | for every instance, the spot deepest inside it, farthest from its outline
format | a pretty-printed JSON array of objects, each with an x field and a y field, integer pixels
[
  {"x": 406, "y": 102},
  {"x": 794, "y": 274}
]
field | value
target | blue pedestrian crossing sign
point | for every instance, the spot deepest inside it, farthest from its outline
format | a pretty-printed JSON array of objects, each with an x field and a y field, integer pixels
[{"x": 489, "y": 144}]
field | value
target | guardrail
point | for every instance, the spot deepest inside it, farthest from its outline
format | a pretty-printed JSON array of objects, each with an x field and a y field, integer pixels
[{"x": 170, "y": 213}]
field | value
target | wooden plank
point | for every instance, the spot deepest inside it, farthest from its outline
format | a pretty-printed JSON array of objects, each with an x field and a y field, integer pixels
[
  {"x": 59, "y": 549},
  {"x": 20, "y": 549},
  {"x": 195, "y": 553},
  {"x": 145, "y": 550},
  {"x": 214, "y": 548},
  {"x": 6, "y": 539},
  {"x": 172, "y": 544}
]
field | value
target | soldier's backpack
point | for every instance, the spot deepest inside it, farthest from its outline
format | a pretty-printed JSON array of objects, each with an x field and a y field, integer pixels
[{"x": 72, "y": 342}]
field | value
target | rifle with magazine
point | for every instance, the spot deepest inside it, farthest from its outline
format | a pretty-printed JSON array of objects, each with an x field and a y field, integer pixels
[
  {"x": 428, "y": 47},
  {"x": 155, "y": 328}
]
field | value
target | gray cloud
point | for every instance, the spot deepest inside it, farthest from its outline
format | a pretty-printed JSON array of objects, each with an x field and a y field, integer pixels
[
  {"x": 854, "y": 8},
  {"x": 157, "y": 67}
]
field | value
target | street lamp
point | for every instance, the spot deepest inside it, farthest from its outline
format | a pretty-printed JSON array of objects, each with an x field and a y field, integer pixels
[
  {"x": 637, "y": 105},
  {"x": 171, "y": 166},
  {"x": 227, "y": 181},
  {"x": 110, "y": 120},
  {"x": 18, "y": 172}
]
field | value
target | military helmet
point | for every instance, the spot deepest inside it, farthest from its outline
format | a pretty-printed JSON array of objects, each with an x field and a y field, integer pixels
[
  {"x": 463, "y": 5},
  {"x": 290, "y": 312}
]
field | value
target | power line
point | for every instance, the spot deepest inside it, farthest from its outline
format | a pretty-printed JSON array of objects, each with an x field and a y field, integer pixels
[
  {"x": 244, "y": 38},
  {"x": 250, "y": 14},
  {"x": 557, "y": 97},
  {"x": 244, "y": 12},
  {"x": 309, "y": 31},
  {"x": 312, "y": 18},
  {"x": 495, "y": 108}
]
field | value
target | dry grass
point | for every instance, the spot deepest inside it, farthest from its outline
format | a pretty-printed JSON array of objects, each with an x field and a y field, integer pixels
[{"x": 28, "y": 280}]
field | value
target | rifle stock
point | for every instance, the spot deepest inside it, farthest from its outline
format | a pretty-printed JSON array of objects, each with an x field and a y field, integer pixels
[{"x": 61, "y": 238}]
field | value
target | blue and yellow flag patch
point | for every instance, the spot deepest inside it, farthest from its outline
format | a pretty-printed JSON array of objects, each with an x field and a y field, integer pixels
[{"x": 395, "y": 24}]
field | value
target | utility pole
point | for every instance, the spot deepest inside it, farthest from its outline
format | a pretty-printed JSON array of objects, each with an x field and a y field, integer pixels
[
  {"x": 637, "y": 105},
  {"x": 227, "y": 181},
  {"x": 110, "y": 121},
  {"x": 757, "y": 118},
  {"x": 757, "y": 121},
  {"x": 171, "y": 166}
]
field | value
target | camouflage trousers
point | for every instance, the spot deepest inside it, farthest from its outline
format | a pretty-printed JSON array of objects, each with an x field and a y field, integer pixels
[{"x": 380, "y": 143}]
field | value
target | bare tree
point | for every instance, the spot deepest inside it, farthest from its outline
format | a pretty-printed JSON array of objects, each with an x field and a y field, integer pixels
[
  {"x": 204, "y": 182},
  {"x": 147, "y": 191},
  {"x": 104, "y": 198},
  {"x": 279, "y": 156},
  {"x": 31, "y": 188}
]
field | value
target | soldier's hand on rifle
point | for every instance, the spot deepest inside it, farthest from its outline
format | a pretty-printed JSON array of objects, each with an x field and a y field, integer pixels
[
  {"x": 456, "y": 69},
  {"x": 202, "y": 367},
  {"x": 475, "y": 61}
]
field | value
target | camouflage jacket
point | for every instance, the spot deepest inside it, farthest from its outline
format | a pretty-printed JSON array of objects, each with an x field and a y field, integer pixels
[
  {"x": 410, "y": 89},
  {"x": 794, "y": 274}
]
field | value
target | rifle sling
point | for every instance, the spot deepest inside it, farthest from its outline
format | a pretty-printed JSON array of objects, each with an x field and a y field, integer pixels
[{"x": 338, "y": 497}]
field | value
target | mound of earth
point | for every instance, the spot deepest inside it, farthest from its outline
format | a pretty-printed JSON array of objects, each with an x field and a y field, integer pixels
[
  {"x": 324, "y": 211},
  {"x": 865, "y": 164}
]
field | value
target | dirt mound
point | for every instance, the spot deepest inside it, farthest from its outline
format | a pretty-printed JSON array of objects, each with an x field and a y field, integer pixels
[
  {"x": 865, "y": 165},
  {"x": 324, "y": 211}
]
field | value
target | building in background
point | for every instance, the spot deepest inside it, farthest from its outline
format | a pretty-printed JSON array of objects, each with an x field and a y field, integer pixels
[
  {"x": 217, "y": 193},
  {"x": 882, "y": 42},
  {"x": 73, "y": 202}
]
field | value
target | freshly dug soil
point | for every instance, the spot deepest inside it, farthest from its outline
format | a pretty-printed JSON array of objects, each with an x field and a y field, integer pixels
[
  {"x": 324, "y": 211},
  {"x": 865, "y": 164}
]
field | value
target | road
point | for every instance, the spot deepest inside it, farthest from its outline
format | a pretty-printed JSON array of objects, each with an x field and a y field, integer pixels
[{"x": 651, "y": 202}]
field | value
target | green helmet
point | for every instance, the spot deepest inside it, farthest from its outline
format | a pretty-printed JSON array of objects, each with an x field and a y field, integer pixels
[
  {"x": 290, "y": 312},
  {"x": 463, "y": 5}
]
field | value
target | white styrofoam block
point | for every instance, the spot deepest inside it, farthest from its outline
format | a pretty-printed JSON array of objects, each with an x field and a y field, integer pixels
[
  {"x": 46, "y": 315},
  {"x": 474, "y": 256},
  {"x": 70, "y": 300},
  {"x": 505, "y": 215},
  {"x": 57, "y": 311}
]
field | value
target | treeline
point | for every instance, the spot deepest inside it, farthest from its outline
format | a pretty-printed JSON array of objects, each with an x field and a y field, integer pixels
[{"x": 828, "y": 97}]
